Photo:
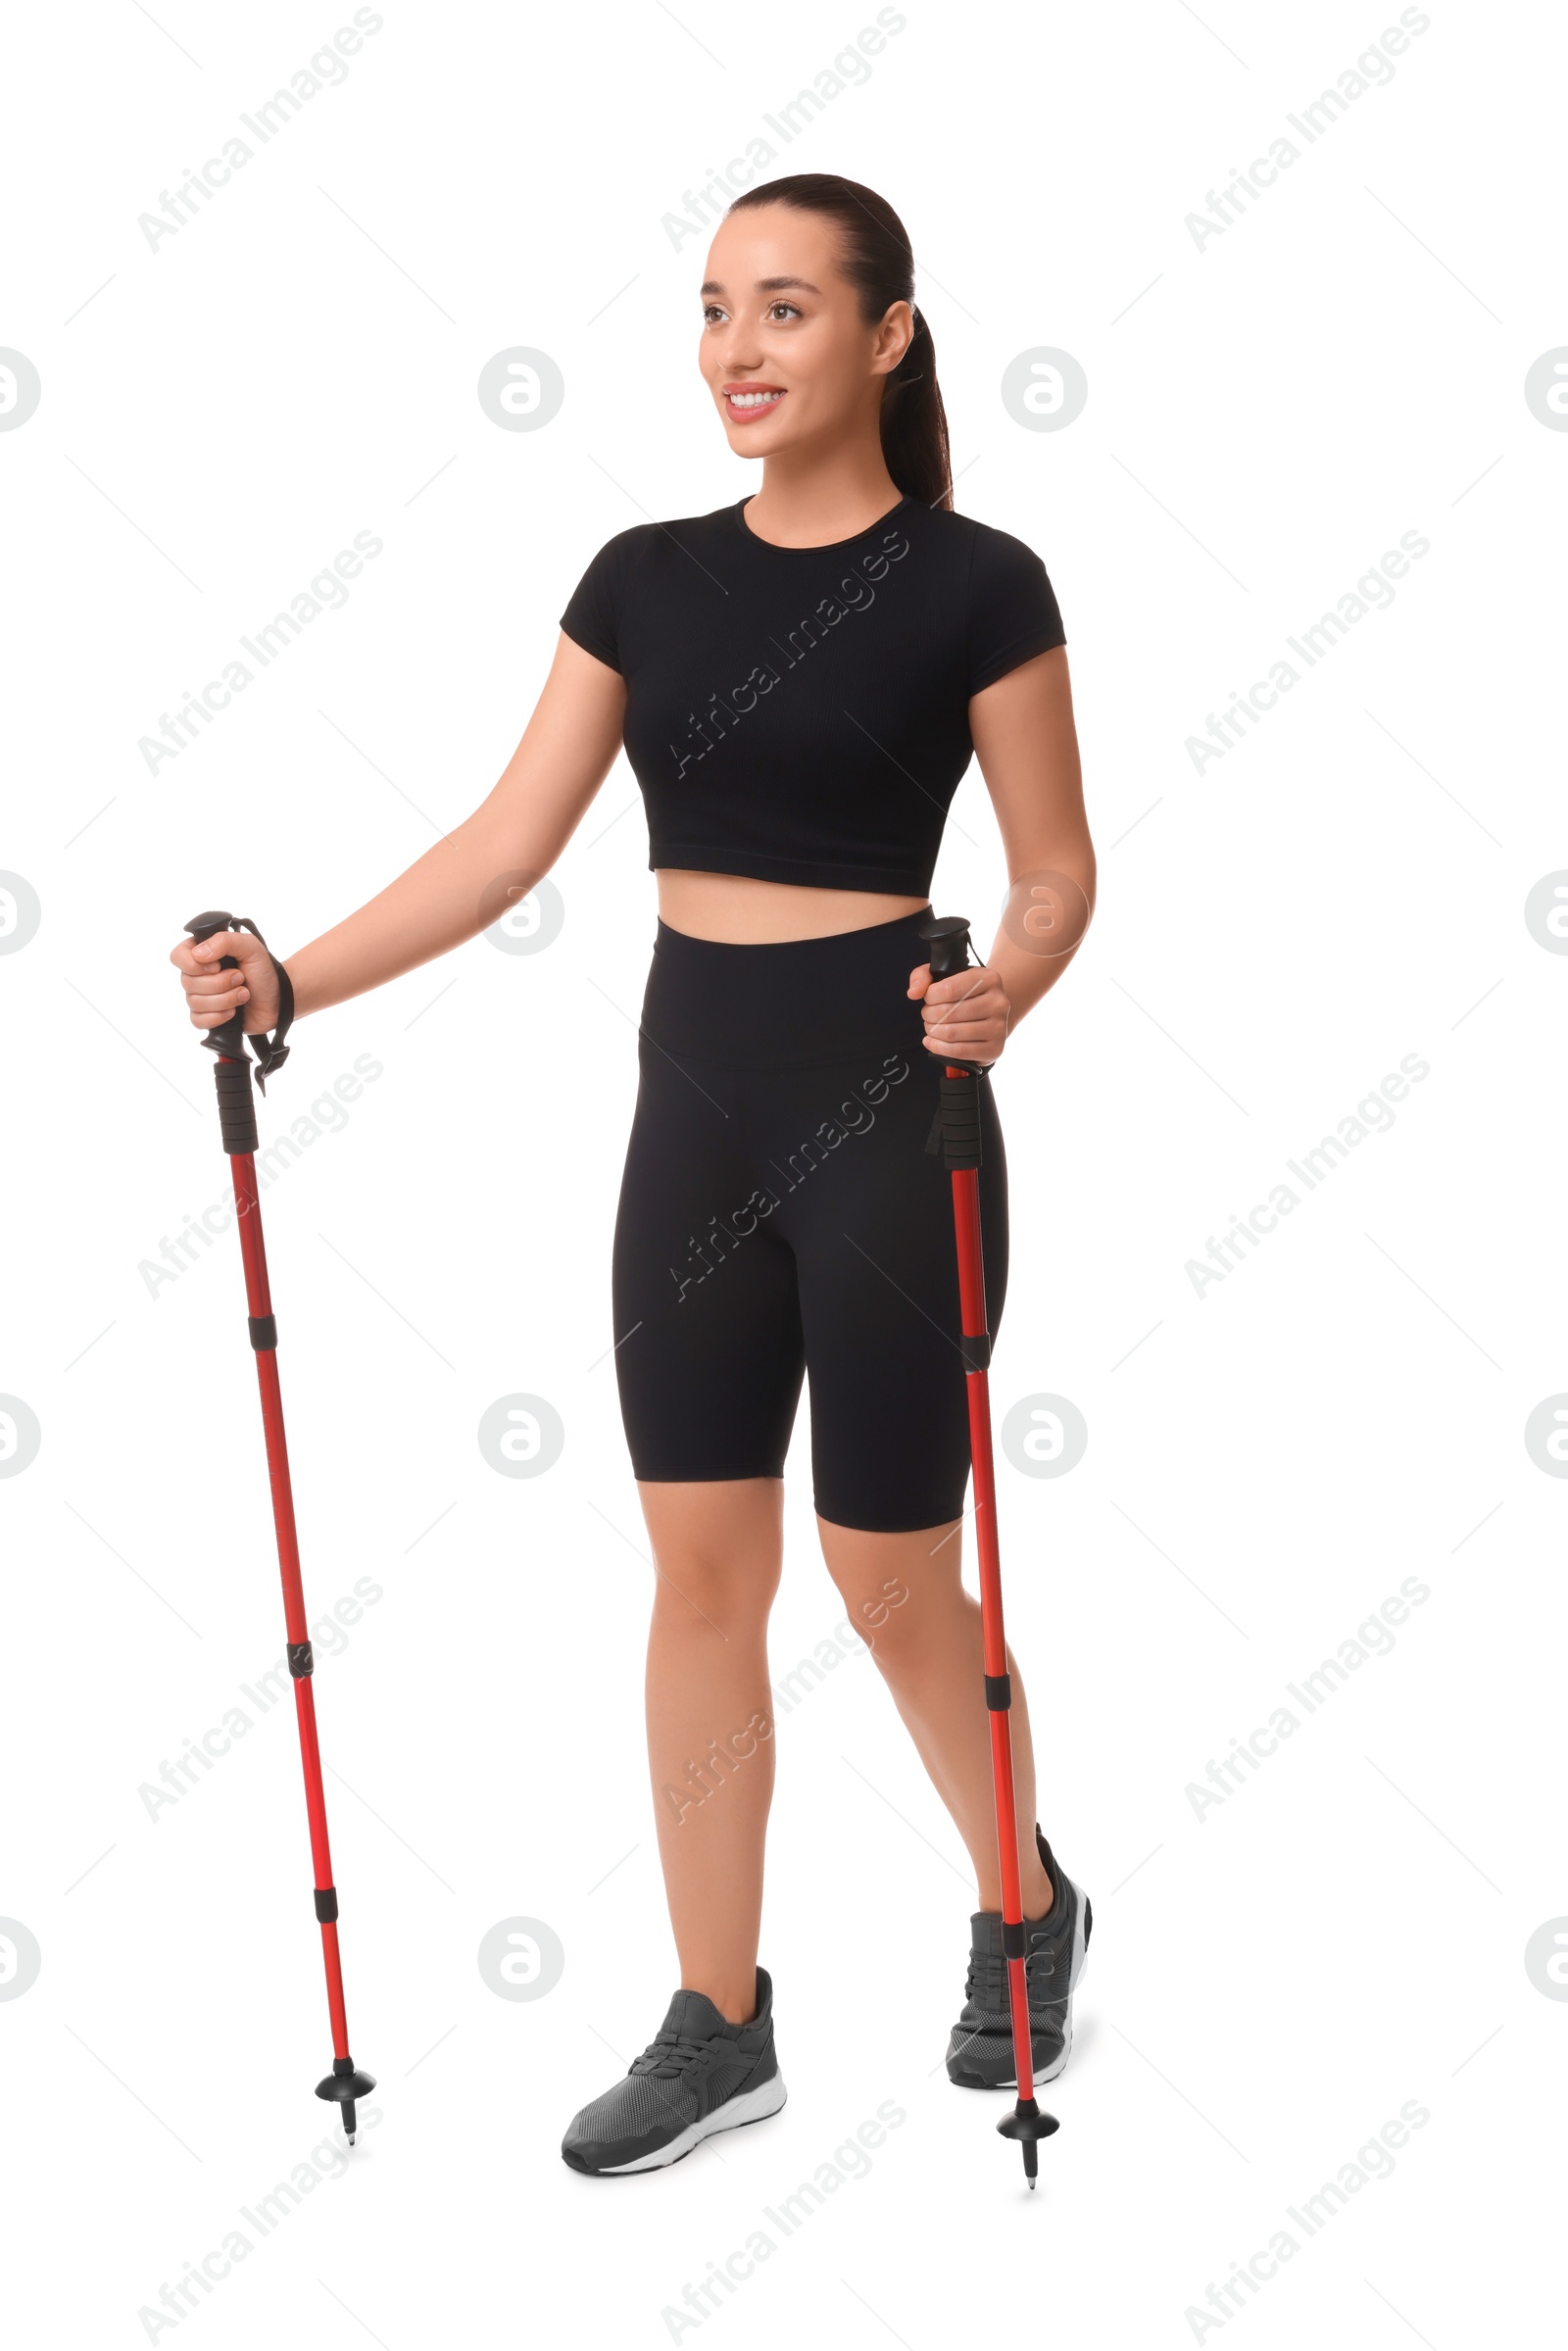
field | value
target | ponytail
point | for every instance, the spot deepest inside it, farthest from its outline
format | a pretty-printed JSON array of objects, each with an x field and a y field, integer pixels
[{"x": 914, "y": 423}]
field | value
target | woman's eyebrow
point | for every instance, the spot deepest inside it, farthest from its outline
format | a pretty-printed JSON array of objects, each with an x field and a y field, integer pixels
[{"x": 767, "y": 285}]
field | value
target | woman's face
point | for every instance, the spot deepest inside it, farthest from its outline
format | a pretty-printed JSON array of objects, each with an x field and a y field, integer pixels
[{"x": 784, "y": 350}]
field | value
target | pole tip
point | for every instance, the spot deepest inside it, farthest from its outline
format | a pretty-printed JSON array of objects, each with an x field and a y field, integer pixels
[{"x": 344, "y": 2086}]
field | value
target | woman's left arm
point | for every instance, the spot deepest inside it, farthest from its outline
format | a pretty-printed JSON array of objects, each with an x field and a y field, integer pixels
[{"x": 1027, "y": 746}]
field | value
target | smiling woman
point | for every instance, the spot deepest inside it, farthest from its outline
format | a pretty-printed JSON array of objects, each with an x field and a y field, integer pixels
[{"x": 800, "y": 680}]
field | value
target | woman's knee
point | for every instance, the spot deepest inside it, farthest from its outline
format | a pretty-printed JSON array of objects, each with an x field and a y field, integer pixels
[
  {"x": 695, "y": 1593},
  {"x": 890, "y": 1584},
  {"x": 717, "y": 1549}
]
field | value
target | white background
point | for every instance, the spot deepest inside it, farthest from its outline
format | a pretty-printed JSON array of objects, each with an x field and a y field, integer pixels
[{"x": 1266, "y": 1463}]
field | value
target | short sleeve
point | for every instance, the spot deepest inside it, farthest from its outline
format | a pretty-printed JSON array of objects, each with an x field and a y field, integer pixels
[
  {"x": 1012, "y": 608},
  {"x": 592, "y": 612}
]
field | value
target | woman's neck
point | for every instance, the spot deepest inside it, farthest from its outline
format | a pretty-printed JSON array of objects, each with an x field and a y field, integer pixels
[{"x": 817, "y": 500}]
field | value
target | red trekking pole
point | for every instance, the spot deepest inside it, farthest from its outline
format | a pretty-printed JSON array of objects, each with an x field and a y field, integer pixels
[
  {"x": 957, "y": 1125},
  {"x": 236, "y": 1110}
]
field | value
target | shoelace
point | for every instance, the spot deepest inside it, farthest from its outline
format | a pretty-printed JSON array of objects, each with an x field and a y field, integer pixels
[
  {"x": 985, "y": 1983},
  {"x": 667, "y": 2053}
]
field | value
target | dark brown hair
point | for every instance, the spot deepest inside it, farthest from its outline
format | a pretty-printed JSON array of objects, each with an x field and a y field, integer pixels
[{"x": 879, "y": 263}]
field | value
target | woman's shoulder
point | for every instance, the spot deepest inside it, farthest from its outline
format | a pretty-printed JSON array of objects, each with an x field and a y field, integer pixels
[
  {"x": 1008, "y": 602},
  {"x": 634, "y": 546},
  {"x": 983, "y": 544}
]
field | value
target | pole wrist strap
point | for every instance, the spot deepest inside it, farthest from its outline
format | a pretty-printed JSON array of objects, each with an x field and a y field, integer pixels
[{"x": 270, "y": 1051}]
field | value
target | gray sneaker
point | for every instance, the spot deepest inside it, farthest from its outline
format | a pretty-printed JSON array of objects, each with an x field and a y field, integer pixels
[
  {"x": 980, "y": 2046},
  {"x": 699, "y": 2073}
]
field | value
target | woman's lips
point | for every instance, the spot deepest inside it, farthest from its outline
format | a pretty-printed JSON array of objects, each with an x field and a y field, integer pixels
[{"x": 751, "y": 410}]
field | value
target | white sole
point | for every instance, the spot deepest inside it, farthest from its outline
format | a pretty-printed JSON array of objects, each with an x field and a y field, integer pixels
[{"x": 748, "y": 2106}]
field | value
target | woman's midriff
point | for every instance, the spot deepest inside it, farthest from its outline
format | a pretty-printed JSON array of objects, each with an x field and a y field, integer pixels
[{"x": 737, "y": 910}]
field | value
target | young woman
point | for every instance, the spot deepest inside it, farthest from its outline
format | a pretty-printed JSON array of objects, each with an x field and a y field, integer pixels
[{"x": 800, "y": 680}]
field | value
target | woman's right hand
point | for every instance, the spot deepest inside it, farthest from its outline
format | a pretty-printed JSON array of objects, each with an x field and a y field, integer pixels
[{"x": 212, "y": 994}]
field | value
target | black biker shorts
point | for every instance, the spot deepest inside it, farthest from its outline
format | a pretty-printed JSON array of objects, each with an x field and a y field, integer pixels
[{"x": 781, "y": 1216}]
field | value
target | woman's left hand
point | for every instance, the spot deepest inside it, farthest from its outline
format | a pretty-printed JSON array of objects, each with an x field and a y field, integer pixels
[{"x": 966, "y": 1015}]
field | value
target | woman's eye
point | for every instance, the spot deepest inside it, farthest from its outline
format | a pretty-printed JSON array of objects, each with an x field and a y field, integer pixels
[
  {"x": 710, "y": 312},
  {"x": 775, "y": 307}
]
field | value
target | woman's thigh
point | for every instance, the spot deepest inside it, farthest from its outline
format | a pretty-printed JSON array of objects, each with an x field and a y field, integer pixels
[
  {"x": 872, "y": 1231},
  {"x": 709, "y": 1350}
]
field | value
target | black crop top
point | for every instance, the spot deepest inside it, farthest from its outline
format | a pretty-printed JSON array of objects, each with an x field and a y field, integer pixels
[{"x": 801, "y": 714}]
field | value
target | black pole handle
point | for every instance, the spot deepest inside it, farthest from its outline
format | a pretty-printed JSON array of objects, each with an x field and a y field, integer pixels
[
  {"x": 236, "y": 1104},
  {"x": 231, "y": 1038},
  {"x": 949, "y": 935},
  {"x": 955, "y": 1128}
]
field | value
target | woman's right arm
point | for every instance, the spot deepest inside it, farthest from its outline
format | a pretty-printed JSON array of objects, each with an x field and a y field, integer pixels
[{"x": 457, "y": 888}]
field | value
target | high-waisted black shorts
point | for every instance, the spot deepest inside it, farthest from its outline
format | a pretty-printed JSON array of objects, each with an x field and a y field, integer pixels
[{"x": 780, "y": 1215}]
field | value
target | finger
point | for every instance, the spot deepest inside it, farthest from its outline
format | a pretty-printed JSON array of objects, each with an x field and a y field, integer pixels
[
  {"x": 223, "y": 942},
  {"x": 210, "y": 1012},
  {"x": 966, "y": 1020},
  {"x": 920, "y": 980},
  {"x": 981, "y": 1003},
  {"x": 964, "y": 1014},
  {"x": 214, "y": 1000},
  {"x": 973, "y": 975},
  {"x": 970, "y": 1041},
  {"x": 982, "y": 1009},
  {"x": 975, "y": 1060},
  {"x": 955, "y": 1049},
  {"x": 974, "y": 1045}
]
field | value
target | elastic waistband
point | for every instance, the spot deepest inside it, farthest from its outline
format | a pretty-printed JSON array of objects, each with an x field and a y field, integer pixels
[{"x": 789, "y": 1002}]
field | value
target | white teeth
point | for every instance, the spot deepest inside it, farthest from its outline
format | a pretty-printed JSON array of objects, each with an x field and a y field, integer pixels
[{"x": 751, "y": 399}]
